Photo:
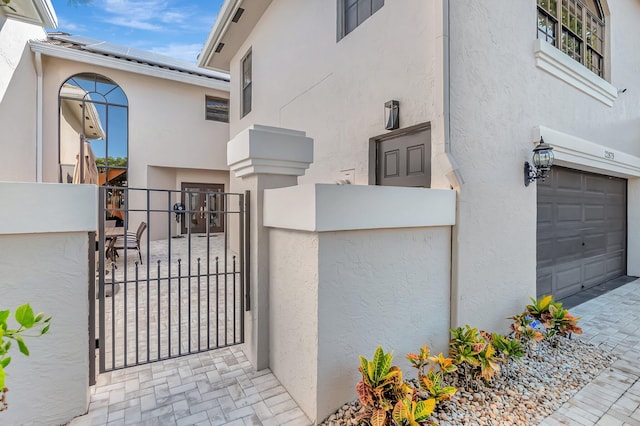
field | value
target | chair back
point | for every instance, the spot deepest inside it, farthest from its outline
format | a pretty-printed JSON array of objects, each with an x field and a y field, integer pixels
[{"x": 141, "y": 228}]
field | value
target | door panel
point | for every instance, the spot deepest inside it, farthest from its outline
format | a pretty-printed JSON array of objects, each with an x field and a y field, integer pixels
[
  {"x": 404, "y": 160},
  {"x": 203, "y": 201}
]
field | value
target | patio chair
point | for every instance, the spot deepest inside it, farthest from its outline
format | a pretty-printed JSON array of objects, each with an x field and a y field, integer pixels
[{"x": 130, "y": 241}]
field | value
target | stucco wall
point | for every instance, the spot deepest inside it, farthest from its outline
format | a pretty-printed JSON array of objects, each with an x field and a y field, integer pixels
[
  {"x": 498, "y": 96},
  {"x": 315, "y": 85},
  {"x": 167, "y": 125},
  {"x": 44, "y": 260},
  {"x": 338, "y": 295},
  {"x": 17, "y": 101}
]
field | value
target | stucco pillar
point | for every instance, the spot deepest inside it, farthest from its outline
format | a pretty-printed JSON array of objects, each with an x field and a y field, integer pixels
[
  {"x": 263, "y": 157},
  {"x": 633, "y": 225}
]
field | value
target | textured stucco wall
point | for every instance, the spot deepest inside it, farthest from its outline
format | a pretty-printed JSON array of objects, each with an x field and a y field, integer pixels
[
  {"x": 44, "y": 261},
  {"x": 49, "y": 271},
  {"x": 335, "y": 91},
  {"x": 498, "y": 96},
  {"x": 293, "y": 318},
  {"x": 167, "y": 125},
  {"x": 17, "y": 101},
  {"x": 338, "y": 295}
]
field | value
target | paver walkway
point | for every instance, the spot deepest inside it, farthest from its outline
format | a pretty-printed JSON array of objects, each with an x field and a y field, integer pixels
[
  {"x": 613, "y": 398},
  {"x": 213, "y": 388},
  {"x": 221, "y": 388}
]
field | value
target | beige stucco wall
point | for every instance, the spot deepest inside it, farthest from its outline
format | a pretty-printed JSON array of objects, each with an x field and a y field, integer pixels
[
  {"x": 498, "y": 96},
  {"x": 167, "y": 125},
  {"x": 17, "y": 101},
  {"x": 303, "y": 79},
  {"x": 320, "y": 322},
  {"x": 44, "y": 261}
]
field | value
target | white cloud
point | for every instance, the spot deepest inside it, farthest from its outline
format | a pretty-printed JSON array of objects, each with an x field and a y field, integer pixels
[
  {"x": 185, "y": 52},
  {"x": 150, "y": 15},
  {"x": 68, "y": 26}
]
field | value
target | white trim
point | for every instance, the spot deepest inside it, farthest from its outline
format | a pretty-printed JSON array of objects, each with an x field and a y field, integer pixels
[
  {"x": 326, "y": 207},
  {"x": 570, "y": 150},
  {"x": 118, "y": 64},
  {"x": 47, "y": 13},
  {"x": 566, "y": 69},
  {"x": 218, "y": 31},
  {"x": 39, "y": 109}
]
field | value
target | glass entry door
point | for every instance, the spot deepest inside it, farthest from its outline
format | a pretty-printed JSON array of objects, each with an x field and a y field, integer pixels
[{"x": 203, "y": 201}]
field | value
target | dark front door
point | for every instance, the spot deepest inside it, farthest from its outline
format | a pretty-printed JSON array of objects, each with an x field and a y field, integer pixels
[
  {"x": 581, "y": 231},
  {"x": 404, "y": 158},
  {"x": 203, "y": 201}
]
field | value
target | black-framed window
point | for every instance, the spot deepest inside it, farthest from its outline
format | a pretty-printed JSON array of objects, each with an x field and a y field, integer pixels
[
  {"x": 217, "y": 109},
  {"x": 247, "y": 80},
  {"x": 577, "y": 28},
  {"x": 352, "y": 13}
]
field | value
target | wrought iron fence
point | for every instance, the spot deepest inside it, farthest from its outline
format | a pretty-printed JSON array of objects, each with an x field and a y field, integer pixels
[{"x": 166, "y": 290}]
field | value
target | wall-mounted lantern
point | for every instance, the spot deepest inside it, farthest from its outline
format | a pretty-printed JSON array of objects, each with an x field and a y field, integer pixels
[
  {"x": 542, "y": 161},
  {"x": 392, "y": 115}
]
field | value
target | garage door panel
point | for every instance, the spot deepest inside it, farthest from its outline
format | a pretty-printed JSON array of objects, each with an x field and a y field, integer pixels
[
  {"x": 595, "y": 268},
  {"x": 585, "y": 234},
  {"x": 569, "y": 213},
  {"x": 545, "y": 252},
  {"x": 571, "y": 181},
  {"x": 616, "y": 264},
  {"x": 594, "y": 213},
  {"x": 545, "y": 214},
  {"x": 595, "y": 184},
  {"x": 545, "y": 282}
]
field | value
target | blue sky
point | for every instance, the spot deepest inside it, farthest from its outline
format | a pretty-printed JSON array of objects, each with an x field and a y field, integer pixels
[{"x": 174, "y": 28}]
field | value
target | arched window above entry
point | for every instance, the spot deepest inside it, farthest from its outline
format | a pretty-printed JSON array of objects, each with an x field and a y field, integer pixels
[
  {"x": 93, "y": 108},
  {"x": 577, "y": 28}
]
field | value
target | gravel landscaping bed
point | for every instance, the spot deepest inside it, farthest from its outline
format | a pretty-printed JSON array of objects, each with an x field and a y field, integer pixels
[{"x": 525, "y": 395}]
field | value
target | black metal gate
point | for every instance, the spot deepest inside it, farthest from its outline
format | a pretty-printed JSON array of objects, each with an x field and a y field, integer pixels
[{"x": 163, "y": 292}]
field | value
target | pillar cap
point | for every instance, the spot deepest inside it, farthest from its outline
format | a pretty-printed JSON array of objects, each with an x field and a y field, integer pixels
[{"x": 269, "y": 150}]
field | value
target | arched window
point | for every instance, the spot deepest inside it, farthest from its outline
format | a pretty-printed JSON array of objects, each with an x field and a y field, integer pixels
[
  {"x": 577, "y": 28},
  {"x": 93, "y": 108}
]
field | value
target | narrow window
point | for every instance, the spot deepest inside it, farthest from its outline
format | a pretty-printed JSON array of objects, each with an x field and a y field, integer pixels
[
  {"x": 217, "y": 109},
  {"x": 352, "y": 13},
  {"x": 576, "y": 27},
  {"x": 246, "y": 84}
]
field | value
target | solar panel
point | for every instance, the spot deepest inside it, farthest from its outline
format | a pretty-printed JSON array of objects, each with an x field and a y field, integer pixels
[{"x": 103, "y": 47}]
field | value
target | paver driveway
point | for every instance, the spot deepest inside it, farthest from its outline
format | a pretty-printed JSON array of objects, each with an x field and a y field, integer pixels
[{"x": 613, "y": 398}]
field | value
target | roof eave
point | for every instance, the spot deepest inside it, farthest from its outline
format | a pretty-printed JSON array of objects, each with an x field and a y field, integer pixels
[
  {"x": 47, "y": 13},
  {"x": 217, "y": 32},
  {"x": 117, "y": 64}
]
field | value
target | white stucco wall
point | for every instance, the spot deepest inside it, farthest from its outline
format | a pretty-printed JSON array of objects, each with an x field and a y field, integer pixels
[
  {"x": 338, "y": 289},
  {"x": 167, "y": 125},
  {"x": 17, "y": 101},
  {"x": 314, "y": 84},
  {"x": 320, "y": 320},
  {"x": 44, "y": 262},
  {"x": 498, "y": 97}
]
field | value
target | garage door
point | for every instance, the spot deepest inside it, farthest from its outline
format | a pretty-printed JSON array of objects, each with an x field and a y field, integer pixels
[{"x": 581, "y": 233}]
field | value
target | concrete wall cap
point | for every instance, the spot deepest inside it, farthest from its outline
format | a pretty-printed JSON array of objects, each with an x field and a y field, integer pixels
[
  {"x": 269, "y": 150},
  {"x": 327, "y": 207},
  {"x": 34, "y": 208}
]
